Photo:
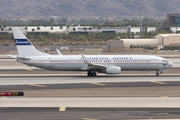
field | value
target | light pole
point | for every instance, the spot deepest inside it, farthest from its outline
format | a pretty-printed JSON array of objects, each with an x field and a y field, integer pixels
[{"x": 140, "y": 1}]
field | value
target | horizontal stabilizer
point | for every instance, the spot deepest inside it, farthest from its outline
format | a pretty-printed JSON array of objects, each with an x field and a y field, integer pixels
[
  {"x": 19, "y": 58},
  {"x": 12, "y": 56},
  {"x": 23, "y": 58}
]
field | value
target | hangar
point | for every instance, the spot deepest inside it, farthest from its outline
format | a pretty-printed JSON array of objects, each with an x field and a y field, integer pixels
[
  {"x": 168, "y": 39},
  {"x": 160, "y": 39},
  {"x": 151, "y": 42}
]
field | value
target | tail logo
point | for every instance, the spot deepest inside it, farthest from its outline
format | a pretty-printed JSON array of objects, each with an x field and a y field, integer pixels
[{"x": 22, "y": 42}]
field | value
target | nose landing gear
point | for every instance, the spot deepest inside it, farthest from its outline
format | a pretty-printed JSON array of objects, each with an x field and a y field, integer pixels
[
  {"x": 90, "y": 73},
  {"x": 157, "y": 74}
]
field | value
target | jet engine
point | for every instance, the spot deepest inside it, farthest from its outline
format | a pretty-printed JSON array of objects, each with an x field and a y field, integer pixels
[{"x": 113, "y": 70}]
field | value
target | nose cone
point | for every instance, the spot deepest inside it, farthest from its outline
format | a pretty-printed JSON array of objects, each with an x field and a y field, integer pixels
[{"x": 170, "y": 64}]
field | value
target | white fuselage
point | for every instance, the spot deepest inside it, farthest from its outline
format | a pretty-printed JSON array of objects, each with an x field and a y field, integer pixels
[{"x": 76, "y": 63}]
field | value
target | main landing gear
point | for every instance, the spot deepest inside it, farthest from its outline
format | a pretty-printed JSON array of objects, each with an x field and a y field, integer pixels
[{"x": 91, "y": 73}]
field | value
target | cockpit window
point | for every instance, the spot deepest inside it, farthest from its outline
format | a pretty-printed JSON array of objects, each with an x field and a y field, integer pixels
[{"x": 164, "y": 61}]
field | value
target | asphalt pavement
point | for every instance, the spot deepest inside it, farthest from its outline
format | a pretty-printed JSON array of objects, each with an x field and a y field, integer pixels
[{"x": 88, "y": 113}]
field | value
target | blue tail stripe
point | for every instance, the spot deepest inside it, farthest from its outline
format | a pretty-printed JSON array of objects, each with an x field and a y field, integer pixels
[{"x": 22, "y": 42}]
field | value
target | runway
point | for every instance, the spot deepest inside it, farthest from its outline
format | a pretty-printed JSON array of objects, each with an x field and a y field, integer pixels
[
  {"x": 73, "y": 95},
  {"x": 20, "y": 79},
  {"x": 98, "y": 89},
  {"x": 54, "y": 85},
  {"x": 89, "y": 113},
  {"x": 93, "y": 102}
]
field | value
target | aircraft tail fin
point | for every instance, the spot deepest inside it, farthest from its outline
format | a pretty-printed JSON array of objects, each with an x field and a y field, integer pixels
[{"x": 24, "y": 46}]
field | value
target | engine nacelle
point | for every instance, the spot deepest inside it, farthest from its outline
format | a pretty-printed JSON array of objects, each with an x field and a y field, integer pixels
[{"x": 113, "y": 70}]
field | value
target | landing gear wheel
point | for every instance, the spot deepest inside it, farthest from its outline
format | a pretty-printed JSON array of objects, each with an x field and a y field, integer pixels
[
  {"x": 89, "y": 73},
  {"x": 157, "y": 74},
  {"x": 92, "y": 74}
]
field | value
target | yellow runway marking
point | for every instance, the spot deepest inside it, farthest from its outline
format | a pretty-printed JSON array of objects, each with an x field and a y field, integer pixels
[
  {"x": 164, "y": 96},
  {"x": 89, "y": 119},
  {"x": 171, "y": 56},
  {"x": 4, "y": 97},
  {"x": 158, "y": 82},
  {"x": 37, "y": 85},
  {"x": 97, "y": 83},
  {"x": 3, "y": 56},
  {"x": 62, "y": 109},
  {"x": 29, "y": 69}
]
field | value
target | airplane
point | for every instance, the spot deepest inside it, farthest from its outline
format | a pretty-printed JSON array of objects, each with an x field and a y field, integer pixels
[{"x": 108, "y": 64}]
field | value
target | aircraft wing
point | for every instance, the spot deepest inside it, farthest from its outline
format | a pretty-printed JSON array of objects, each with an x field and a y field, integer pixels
[{"x": 91, "y": 66}]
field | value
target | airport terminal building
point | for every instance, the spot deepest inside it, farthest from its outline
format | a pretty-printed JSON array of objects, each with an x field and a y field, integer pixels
[{"x": 173, "y": 19}]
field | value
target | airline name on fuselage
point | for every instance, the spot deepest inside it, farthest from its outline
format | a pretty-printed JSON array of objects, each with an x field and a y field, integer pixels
[{"x": 106, "y": 58}]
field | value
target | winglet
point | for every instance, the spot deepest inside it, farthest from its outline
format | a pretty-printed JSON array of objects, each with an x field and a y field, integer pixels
[
  {"x": 59, "y": 53},
  {"x": 84, "y": 59}
]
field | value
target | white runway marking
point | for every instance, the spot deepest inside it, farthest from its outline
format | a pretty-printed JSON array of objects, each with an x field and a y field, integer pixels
[{"x": 119, "y": 102}]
